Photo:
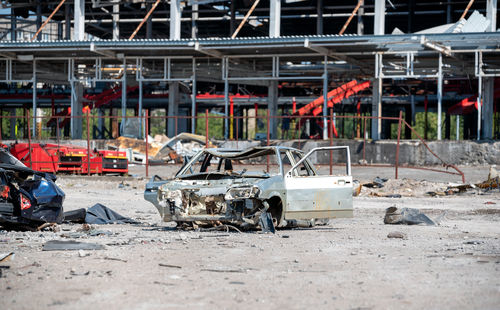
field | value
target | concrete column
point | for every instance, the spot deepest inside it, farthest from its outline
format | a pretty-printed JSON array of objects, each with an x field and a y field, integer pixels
[
  {"x": 13, "y": 25},
  {"x": 272, "y": 105},
  {"x": 173, "y": 106},
  {"x": 39, "y": 18},
  {"x": 491, "y": 15},
  {"x": 116, "y": 22},
  {"x": 377, "y": 108},
  {"x": 361, "y": 24},
  {"x": 487, "y": 109},
  {"x": 379, "y": 23},
  {"x": 76, "y": 110},
  {"x": 319, "y": 20},
  {"x": 275, "y": 18},
  {"x": 79, "y": 20},
  {"x": 13, "y": 122},
  {"x": 175, "y": 20},
  {"x": 67, "y": 21}
]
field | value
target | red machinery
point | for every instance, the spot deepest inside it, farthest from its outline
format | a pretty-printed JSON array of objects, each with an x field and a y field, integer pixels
[{"x": 55, "y": 158}]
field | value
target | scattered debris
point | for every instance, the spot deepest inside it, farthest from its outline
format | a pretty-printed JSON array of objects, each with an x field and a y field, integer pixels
[
  {"x": 5, "y": 257},
  {"x": 226, "y": 270},
  {"x": 58, "y": 245},
  {"x": 161, "y": 148},
  {"x": 169, "y": 266},
  {"x": 490, "y": 203},
  {"x": 396, "y": 234},
  {"x": 377, "y": 183},
  {"x": 266, "y": 222},
  {"x": 406, "y": 216},
  {"x": 115, "y": 258}
]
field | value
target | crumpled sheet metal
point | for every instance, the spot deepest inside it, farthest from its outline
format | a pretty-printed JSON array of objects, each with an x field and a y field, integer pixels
[{"x": 406, "y": 216}]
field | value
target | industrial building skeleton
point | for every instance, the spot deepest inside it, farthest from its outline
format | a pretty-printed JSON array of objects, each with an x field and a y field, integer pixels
[{"x": 260, "y": 61}]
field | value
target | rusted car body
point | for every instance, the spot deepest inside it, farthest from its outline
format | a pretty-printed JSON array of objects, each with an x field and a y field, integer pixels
[{"x": 234, "y": 187}]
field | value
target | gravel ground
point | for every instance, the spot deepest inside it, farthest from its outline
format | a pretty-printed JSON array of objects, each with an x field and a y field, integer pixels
[{"x": 347, "y": 264}]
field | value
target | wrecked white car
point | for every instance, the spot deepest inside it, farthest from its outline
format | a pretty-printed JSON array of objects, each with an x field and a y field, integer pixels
[{"x": 261, "y": 187}]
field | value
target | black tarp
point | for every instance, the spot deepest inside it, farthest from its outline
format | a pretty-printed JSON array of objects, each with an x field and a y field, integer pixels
[{"x": 97, "y": 214}]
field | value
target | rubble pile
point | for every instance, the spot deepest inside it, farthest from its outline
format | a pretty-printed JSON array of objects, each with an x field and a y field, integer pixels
[{"x": 160, "y": 148}]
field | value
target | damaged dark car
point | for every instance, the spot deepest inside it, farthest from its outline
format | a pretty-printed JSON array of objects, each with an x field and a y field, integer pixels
[
  {"x": 261, "y": 186},
  {"x": 28, "y": 198}
]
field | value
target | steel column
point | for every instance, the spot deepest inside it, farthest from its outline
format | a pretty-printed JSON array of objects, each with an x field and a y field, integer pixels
[
  {"x": 140, "y": 108},
  {"x": 79, "y": 20},
  {"x": 479, "y": 110},
  {"x": 124, "y": 92},
  {"x": 226, "y": 96},
  {"x": 491, "y": 15},
  {"x": 175, "y": 20},
  {"x": 439, "y": 96},
  {"x": 13, "y": 25},
  {"x": 34, "y": 97},
  {"x": 193, "y": 98},
  {"x": 194, "y": 20},
  {"x": 275, "y": 18},
  {"x": 487, "y": 108},
  {"x": 379, "y": 21},
  {"x": 376, "y": 129},
  {"x": 116, "y": 22},
  {"x": 458, "y": 128},
  {"x": 325, "y": 98}
]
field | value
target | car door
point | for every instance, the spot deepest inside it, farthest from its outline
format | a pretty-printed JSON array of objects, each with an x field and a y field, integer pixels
[{"x": 311, "y": 195}]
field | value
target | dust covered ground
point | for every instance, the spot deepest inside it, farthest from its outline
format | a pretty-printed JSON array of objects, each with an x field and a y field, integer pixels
[{"x": 348, "y": 264}]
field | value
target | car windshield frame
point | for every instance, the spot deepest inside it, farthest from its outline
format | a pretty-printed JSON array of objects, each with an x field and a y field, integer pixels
[{"x": 232, "y": 154}]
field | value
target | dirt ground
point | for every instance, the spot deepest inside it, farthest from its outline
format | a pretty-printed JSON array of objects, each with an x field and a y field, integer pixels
[{"x": 348, "y": 264}]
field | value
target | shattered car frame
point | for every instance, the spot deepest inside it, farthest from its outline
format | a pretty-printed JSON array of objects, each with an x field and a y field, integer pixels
[
  {"x": 216, "y": 186},
  {"x": 28, "y": 198}
]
